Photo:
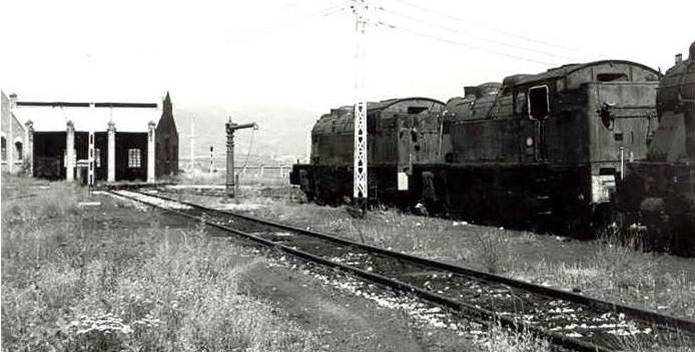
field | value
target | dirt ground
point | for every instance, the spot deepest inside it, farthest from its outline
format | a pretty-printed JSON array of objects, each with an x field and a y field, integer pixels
[{"x": 343, "y": 320}]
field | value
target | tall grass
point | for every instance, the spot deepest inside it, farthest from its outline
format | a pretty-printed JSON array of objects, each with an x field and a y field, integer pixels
[
  {"x": 500, "y": 339},
  {"x": 615, "y": 271},
  {"x": 73, "y": 281}
]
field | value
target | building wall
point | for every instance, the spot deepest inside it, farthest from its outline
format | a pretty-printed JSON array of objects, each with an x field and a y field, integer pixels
[
  {"x": 126, "y": 141},
  {"x": 10, "y": 139}
]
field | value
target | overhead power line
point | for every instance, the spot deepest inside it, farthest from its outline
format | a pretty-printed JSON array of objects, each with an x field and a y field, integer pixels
[
  {"x": 462, "y": 33},
  {"x": 491, "y": 28},
  {"x": 462, "y": 44},
  {"x": 312, "y": 15}
]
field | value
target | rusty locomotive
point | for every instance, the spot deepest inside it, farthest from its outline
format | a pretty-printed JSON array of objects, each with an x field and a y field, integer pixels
[
  {"x": 542, "y": 150},
  {"x": 657, "y": 195}
]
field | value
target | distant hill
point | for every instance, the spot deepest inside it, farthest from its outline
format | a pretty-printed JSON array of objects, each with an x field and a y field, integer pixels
[{"x": 283, "y": 133}]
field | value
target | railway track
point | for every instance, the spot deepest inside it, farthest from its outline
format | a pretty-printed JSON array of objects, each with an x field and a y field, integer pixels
[{"x": 566, "y": 319}]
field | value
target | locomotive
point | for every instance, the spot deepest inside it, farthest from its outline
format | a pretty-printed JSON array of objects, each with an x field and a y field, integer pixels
[
  {"x": 401, "y": 131},
  {"x": 657, "y": 195},
  {"x": 540, "y": 151}
]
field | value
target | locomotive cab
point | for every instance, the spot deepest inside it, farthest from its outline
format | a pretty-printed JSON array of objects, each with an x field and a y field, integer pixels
[
  {"x": 400, "y": 132},
  {"x": 547, "y": 147}
]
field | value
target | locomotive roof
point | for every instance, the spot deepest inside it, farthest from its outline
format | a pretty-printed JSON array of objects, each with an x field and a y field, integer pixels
[
  {"x": 565, "y": 70},
  {"x": 381, "y": 105},
  {"x": 387, "y": 103}
]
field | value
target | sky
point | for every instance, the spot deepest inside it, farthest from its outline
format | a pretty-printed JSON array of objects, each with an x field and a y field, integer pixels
[{"x": 300, "y": 54}]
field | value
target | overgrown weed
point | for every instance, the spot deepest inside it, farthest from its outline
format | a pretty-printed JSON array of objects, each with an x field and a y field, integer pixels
[{"x": 70, "y": 282}]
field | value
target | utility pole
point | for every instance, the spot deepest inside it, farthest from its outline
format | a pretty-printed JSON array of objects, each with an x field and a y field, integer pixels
[
  {"x": 360, "y": 181},
  {"x": 212, "y": 159},
  {"x": 231, "y": 177},
  {"x": 192, "y": 141}
]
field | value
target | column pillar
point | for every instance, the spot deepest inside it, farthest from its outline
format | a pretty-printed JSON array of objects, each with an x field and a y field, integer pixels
[
  {"x": 29, "y": 147},
  {"x": 150, "y": 151},
  {"x": 70, "y": 153},
  {"x": 111, "y": 153},
  {"x": 91, "y": 181}
]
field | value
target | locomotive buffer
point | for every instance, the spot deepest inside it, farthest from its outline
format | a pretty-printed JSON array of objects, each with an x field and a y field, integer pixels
[{"x": 231, "y": 128}]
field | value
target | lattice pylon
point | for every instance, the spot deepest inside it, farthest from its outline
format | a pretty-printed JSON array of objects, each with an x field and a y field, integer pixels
[{"x": 360, "y": 8}]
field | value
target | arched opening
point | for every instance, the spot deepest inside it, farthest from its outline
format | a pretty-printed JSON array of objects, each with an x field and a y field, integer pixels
[
  {"x": 4, "y": 149},
  {"x": 18, "y": 150}
]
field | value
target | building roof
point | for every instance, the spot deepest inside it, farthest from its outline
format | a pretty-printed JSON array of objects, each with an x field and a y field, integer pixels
[{"x": 54, "y": 116}]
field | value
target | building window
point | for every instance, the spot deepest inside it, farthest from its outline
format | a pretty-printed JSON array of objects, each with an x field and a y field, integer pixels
[
  {"x": 134, "y": 160},
  {"x": 18, "y": 149},
  {"x": 4, "y": 149}
]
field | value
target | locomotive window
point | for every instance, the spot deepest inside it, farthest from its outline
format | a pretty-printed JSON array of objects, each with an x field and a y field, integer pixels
[
  {"x": 538, "y": 103},
  {"x": 610, "y": 77},
  {"x": 416, "y": 109}
]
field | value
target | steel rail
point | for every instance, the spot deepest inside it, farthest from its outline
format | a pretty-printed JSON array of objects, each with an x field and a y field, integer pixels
[
  {"x": 650, "y": 316},
  {"x": 477, "y": 313}
]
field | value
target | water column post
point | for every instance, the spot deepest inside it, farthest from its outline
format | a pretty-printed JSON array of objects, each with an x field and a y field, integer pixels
[{"x": 232, "y": 180}]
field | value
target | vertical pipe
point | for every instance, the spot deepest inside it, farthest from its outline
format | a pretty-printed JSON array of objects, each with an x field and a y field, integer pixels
[{"x": 622, "y": 163}]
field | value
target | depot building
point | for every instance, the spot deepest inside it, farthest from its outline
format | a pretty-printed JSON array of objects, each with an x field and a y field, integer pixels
[{"x": 98, "y": 141}]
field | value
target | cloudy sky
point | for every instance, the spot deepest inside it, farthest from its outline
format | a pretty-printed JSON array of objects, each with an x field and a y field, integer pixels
[{"x": 299, "y": 53}]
